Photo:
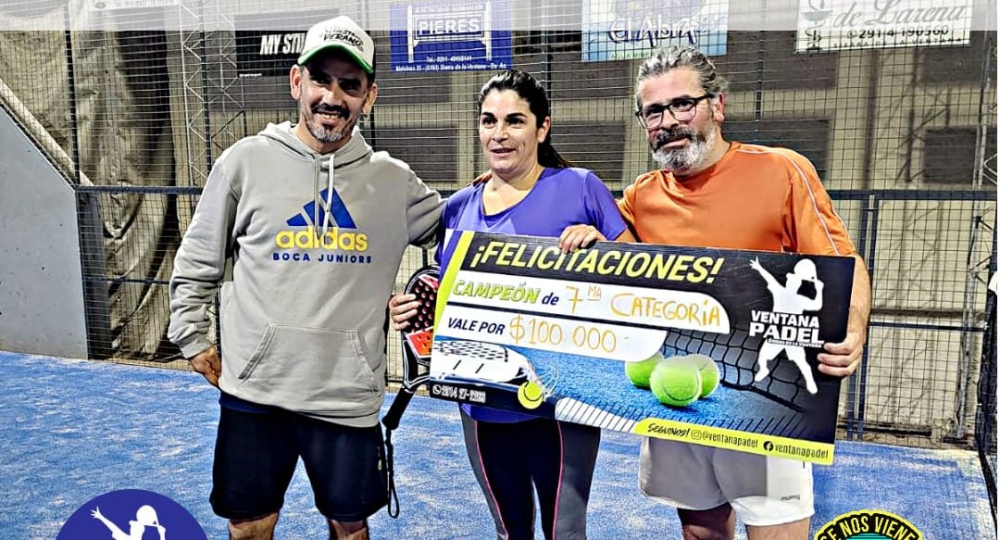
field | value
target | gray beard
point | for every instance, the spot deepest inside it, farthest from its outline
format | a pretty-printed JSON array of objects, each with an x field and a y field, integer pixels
[
  {"x": 689, "y": 157},
  {"x": 327, "y": 136}
]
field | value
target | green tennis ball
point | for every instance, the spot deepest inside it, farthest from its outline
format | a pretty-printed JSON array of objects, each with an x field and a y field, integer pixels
[
  {"x": 709, "y": 371},
  {"x": 638, "y": 372},
  {"x": 677, "y": 384},
  {"x": 531, "y": 395}
]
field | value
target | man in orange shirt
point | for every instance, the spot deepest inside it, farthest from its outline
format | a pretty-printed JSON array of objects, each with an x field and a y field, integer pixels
[{"x": 716, "y": 193}]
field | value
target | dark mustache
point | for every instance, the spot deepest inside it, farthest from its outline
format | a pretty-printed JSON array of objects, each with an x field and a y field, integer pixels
[
  {"x": 674, "y": 134},
  {"x": 331, "y": 109}
]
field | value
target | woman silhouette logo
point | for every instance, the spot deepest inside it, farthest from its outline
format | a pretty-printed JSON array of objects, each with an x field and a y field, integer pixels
[{"x": 131, "y": 515}]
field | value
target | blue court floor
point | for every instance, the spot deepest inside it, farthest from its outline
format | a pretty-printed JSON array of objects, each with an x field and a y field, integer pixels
[{"x": 72, "y": 430}]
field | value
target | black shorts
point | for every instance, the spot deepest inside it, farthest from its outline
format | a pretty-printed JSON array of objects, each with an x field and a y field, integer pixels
[{"x": 256, "y": 455}]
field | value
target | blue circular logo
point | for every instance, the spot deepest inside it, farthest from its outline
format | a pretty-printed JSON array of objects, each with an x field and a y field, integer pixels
[{"x": 131, "y": 514}]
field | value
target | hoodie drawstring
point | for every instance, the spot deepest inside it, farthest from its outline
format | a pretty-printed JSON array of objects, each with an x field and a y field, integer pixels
[
  {"x": 316, "y": 204},
  {"x": 329, "y": 196},
  {"x": 320, "y": 229}
]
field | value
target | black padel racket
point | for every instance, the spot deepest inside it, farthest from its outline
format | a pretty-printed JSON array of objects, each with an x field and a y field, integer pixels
[{"x": 418, "y": 339}]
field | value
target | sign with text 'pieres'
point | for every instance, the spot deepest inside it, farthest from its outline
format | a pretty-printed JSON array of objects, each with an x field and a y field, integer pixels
[
  {"x": 707, "y": 346},
  {"x": 450, "y": 35}
]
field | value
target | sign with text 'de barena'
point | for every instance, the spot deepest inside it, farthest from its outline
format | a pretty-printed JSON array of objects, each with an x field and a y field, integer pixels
[{"x": 839, "y": 25}]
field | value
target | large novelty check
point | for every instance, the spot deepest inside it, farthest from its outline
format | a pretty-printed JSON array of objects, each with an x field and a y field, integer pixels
[{"x": 707, "y": 346}]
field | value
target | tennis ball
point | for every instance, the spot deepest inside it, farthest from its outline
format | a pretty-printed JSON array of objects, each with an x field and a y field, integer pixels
[
  {"x": 530, "y": 395},
  {"x": 709, "y": 371},
  {"x": 677, "y": 384},
  {"x": 638, "y": 372}
]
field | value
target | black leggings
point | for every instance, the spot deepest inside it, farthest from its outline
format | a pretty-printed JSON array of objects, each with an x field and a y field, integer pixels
[{"x": 557, "y": 457}]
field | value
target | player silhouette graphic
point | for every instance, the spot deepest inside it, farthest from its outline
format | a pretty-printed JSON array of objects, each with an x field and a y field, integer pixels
[
  {"x": 787, "y": 299},
  {"x": 145, "y": 516}
]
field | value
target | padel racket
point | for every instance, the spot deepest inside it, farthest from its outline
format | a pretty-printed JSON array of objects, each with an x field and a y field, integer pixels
[
  {"x": 490, "y": 364},
  {"x": 478, "y": 361},
  {"x": 417, "y": 339}
]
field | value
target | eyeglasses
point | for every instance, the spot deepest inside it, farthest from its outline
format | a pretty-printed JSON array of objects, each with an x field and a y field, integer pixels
[{"x": 682, "y": 109}]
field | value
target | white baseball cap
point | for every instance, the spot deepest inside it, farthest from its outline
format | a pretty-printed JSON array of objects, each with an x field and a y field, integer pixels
[{"x": 344, "y": 34}]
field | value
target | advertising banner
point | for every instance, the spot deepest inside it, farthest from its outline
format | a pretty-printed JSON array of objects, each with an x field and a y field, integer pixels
[
  {"x": 268, "y": 44},
  {"x": 439, "y": 35},
  {"x": 615, "y": 30},
  {"x": 836, "y": 25}
]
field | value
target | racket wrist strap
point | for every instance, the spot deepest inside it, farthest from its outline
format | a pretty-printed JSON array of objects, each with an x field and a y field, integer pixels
[{"x": 393, "y": 500}]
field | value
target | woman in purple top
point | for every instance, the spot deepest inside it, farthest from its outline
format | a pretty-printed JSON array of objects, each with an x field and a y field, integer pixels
[{"x": 530, "y": 190}]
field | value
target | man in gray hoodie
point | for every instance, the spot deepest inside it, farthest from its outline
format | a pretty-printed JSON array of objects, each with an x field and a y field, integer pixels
[{"x": 302, "y": 227}]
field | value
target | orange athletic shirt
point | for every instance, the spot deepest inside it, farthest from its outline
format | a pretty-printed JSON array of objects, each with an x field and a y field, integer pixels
[{"x": 755, "y": 197}]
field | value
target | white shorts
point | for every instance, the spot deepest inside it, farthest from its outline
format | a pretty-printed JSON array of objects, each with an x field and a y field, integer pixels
[{"x": 762, "y": 490}]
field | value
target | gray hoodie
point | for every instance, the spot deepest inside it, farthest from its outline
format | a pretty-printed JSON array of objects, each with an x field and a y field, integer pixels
[{"x": 306, "y": 248}]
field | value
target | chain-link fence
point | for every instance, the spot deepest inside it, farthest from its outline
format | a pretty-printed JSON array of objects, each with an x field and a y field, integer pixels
[{"x": 134, "y": 104}]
